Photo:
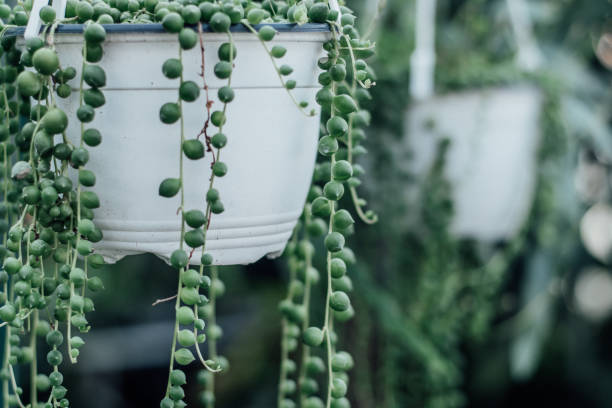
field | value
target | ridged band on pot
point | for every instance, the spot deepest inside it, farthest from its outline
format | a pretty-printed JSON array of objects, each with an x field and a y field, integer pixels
[{"x": 270, "y": 153}]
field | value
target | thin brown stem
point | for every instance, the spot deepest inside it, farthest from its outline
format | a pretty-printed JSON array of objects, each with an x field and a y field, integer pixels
[{"x": 158, "y": 301}]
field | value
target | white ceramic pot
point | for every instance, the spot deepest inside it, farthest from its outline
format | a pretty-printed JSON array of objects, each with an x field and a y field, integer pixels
[
  {"x": 270, "y": 153},
  {"x": 491, "y": 163}
]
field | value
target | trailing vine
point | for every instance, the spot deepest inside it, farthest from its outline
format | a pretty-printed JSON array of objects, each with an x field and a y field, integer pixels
[
  {"x": 345, "y": 80},
  {"x": 190, "y": 280},
  {"x": 45, "y": 286}
]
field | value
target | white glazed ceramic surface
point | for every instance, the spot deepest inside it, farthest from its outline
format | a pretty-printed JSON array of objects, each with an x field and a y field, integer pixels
[
  {"x": 491, "y": 164},
  {"x": 270, "y": 152}
]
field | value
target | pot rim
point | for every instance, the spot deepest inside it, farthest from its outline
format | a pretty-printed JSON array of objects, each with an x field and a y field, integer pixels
[{"x": 157, "y": 28}]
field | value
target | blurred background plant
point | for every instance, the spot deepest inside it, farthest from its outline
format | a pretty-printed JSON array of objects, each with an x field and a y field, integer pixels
[
  {"x": 493, "y": 322},
  {"x": 448, "y": 316}
]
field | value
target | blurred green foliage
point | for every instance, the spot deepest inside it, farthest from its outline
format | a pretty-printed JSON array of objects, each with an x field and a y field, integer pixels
[{"x": 431, "y": 296}]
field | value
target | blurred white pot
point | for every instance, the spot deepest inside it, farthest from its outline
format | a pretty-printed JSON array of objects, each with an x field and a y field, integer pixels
[
  {"x": 270, "y": 152},
  {"x": 491, "y": 163}
]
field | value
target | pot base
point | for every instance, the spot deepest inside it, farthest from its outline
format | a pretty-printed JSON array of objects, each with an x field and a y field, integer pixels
[{"x": 227, "y": 239}]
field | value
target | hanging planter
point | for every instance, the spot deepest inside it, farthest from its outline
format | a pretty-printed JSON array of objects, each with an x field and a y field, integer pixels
[
  {"x": 271, "y": 153},
  {"x": 188, "y": 131},
  {"x": 493, "y": 134},
  {"x": 491, "y": 161}
]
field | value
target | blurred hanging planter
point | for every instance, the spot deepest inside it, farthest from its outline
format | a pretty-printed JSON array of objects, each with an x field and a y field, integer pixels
[
  {"x": 493, "y": 134},
  {"x": 491, "y": 162},
  {"x": 258, "y": 62}
]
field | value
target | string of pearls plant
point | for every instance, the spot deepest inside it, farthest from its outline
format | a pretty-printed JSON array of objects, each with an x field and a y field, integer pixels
[
  {"x": 48, "y": 249},
  {"x": 345, "y": 80},
  {"x": 48, "y": 226}
]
